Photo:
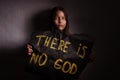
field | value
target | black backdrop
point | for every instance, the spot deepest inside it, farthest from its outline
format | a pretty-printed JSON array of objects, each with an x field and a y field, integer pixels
[{"x": 96, "y": 18}]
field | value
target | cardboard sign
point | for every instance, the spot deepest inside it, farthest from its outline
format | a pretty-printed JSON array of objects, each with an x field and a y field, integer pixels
[{"x": 60, "y": 57}]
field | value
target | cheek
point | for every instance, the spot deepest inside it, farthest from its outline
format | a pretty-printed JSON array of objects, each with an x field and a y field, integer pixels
[
  {"x": 65, "y": 22},
  {"x": 55, "y": 22}
]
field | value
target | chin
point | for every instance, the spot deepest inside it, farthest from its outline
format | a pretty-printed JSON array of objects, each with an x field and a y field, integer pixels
[{"x": 61, "y": 29}]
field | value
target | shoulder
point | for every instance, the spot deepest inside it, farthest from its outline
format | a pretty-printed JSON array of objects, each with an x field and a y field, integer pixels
[
  {"x": 41, "y": 33},
  {"x": 82, "y": 36}
]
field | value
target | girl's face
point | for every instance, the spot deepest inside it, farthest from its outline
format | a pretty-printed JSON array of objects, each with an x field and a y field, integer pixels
[{"x": 60, "y": 20}]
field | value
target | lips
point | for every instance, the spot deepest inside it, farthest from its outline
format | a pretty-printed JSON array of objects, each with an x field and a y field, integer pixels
[{"x": 60, "y": 25}]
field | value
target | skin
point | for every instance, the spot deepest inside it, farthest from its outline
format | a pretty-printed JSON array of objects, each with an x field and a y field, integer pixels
[
  {"x": 92, "y": 55},
  {"x": 59, "y": 21},
  {"x": 29, "y": 49}
]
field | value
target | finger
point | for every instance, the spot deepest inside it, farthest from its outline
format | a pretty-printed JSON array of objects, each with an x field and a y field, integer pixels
[
  {"x": 29, "y": 46},
  {"x": 30, "y": 50}
]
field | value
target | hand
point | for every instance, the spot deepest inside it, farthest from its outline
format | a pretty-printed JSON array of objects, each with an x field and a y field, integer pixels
[{"x": 29, "y": 48}]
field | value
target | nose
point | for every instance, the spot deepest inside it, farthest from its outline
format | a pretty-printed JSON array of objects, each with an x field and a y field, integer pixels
[{"x": 60, "y": 20}]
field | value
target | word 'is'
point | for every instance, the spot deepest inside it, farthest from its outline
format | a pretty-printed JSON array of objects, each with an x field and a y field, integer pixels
[{"x": 63, "y": 45}]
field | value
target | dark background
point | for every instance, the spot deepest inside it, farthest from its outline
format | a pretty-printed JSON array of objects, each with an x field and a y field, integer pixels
[{"x": 98, "y": 18}]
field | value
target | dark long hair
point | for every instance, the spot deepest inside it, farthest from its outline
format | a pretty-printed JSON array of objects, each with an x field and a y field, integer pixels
[{"x": 52, "y": 17}]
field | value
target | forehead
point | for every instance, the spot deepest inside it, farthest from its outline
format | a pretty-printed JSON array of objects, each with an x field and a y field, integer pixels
[{"x": 60, "y": 13}]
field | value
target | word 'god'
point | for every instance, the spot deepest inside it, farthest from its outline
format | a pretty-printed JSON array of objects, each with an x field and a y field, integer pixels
[{"x": 59, "y": 64}]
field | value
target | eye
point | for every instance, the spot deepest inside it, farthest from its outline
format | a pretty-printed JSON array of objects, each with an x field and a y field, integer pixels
[
  {"x": 63, "y": 18},
  {"x": 56, "y": 18}
]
